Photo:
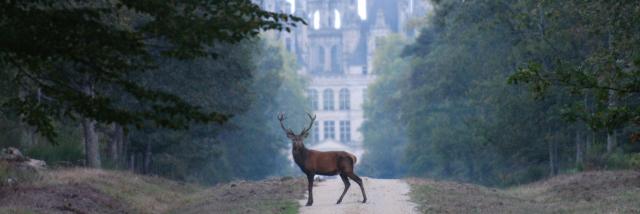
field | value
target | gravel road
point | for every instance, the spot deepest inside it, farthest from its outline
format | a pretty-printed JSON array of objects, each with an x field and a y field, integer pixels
[{"x": 384, "y": 196}]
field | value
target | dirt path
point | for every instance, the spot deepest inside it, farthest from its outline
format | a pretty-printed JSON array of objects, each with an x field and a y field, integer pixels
[{"x": 384, "y": 196}]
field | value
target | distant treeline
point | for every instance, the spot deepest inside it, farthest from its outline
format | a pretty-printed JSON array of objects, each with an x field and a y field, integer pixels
[{"x": 504, "y": 92}]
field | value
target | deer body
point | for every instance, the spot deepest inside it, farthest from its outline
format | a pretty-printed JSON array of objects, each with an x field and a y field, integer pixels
[
  {"x": 323, "y": 163},
  {"x": 313, "y": 162}
]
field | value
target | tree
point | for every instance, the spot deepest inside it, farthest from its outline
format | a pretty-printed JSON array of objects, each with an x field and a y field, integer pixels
[
  {"x": 384, "y": 133},
  {"x": 462, "y": 120},
  {"x": 250, "y": 144},
  {"x": 75, "y": 59},
  {"x": 602, "y": 70}
]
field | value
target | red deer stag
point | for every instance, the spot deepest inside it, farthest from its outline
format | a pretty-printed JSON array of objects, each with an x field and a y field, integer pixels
[{"x": 313, "y": 162}]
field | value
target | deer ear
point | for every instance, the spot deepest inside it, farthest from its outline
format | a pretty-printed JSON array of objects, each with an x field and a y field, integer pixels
[{"x": 305, "y": 135}]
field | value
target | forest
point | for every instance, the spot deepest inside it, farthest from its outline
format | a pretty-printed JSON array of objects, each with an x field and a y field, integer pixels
[
  {"x": 503, "y": 93},
  {"x": 186, "y": 91}
]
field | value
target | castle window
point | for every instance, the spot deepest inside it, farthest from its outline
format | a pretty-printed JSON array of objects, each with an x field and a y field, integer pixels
[
  {"x": 334, "y": 60},
  {"x": 345, "y": 131},
  {"x": 337, "y": 23},
  {"x": 319, "y": 67},
  {"x": 345, "y": 103},
  {"x": 316, "y": 20},
  {"x": 329, "y": 130},
  {"x": 327, "y": 98},
  {"x": 313, "y": 99}
]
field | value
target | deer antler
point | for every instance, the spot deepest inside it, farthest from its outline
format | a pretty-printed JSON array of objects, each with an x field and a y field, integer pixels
[
  {"x": 313, "y": 119},
  {"x": 281, "y": 119}
]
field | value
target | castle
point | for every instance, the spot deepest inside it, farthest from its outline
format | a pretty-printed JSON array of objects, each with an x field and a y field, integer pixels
[{"x": 335, "y": 51}]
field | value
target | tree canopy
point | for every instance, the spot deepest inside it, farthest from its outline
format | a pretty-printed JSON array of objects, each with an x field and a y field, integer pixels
[{"x": 65, "y": 55}]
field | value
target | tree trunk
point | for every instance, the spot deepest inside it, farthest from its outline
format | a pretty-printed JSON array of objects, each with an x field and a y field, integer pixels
[
  {"x": 580, "y": 145},
  {"x": 116, "y": 144},
  {"x": 29, "y": 134},
  {"x": 611, "y": 135},
  {"x": 471, "y": 169},
  {"x": 120, "y": 147},
  {"x": 124, "y": 149},
  {"x": 553, "y": 157},
  {"x": 132, "y": 162},
  {"x": 612, "y": 99},
  {"x": 147, "y": 159},
  {"x": 113, "y": 143},
  {"x": 91, "y": 144},
  {"x": 611, "y": 141},
  {"x": 591, "y": 141}
]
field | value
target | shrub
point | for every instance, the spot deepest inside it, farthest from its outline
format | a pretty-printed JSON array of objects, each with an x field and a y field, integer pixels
[{"x": 14, "y": 173}]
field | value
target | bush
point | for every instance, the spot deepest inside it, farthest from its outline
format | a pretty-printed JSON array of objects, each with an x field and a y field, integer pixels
[
  {"x": 16, "y": 173},
  {"x": 169, "y": 166},
  {"x": 64, "y": 154},
  {"x": 621, "y": 160}
]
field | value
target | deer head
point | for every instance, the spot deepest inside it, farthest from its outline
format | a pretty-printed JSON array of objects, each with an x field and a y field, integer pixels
[{"x": 297, "y": 139}]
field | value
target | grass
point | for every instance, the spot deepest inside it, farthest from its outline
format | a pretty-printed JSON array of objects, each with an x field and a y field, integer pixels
[
  {"x": 148, "y": 194},
  {"x": 267, "y": 207},
  {"x": 267, "y": 196},
  {"x": 291, "y": 207},
  {"x": 10, "y": 210},
  {"x": 589, "y": 192},
  {"x": 143, "y": 193}
]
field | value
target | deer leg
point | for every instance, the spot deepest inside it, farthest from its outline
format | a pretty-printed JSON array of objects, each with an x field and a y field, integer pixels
[
  {"x": 345, "y": 180},
  {"x": 310, "y": 182},
  {"x": 358, "y": 180}
]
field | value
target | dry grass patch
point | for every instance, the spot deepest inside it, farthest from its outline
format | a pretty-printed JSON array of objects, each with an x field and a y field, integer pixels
[
  {"x": 589, "y": 192},
  {"x": 277, "y": 195},
  {"x": 104, "y": 191},
  {"x": 145, "y": 194}
]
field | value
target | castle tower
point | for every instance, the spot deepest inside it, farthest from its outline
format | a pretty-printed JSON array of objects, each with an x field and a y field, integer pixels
[
  {"x": 379, "y": 30},
  {"x": 407, "y": 11},
  {"x": 325, "y": 38}
]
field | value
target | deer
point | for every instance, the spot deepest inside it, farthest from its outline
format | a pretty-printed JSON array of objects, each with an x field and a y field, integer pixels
[{"x": 313, "y": 162}]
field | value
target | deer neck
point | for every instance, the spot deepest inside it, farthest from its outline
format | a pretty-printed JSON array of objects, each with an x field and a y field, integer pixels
[{"x": 299, "y": 152}]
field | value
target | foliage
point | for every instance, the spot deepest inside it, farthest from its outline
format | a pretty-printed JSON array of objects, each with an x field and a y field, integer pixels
[
  {"x": 256, "y": 142},
  {"x": 603, "y": 65},
  {"x": 384, "y": 133},
  {"x": 464, "y": 121},
  {"x": 68, "y": 57},
  {"x": 154, "y": 75},
  {"x": 250, "y": 145}
]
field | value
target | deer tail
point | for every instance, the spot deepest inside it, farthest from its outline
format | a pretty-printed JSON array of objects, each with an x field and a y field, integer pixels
[{"x": 353, "y": 158}]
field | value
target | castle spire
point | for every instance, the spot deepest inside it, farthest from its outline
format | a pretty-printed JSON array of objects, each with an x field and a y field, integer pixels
[{"x": 380, "y": 21}]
